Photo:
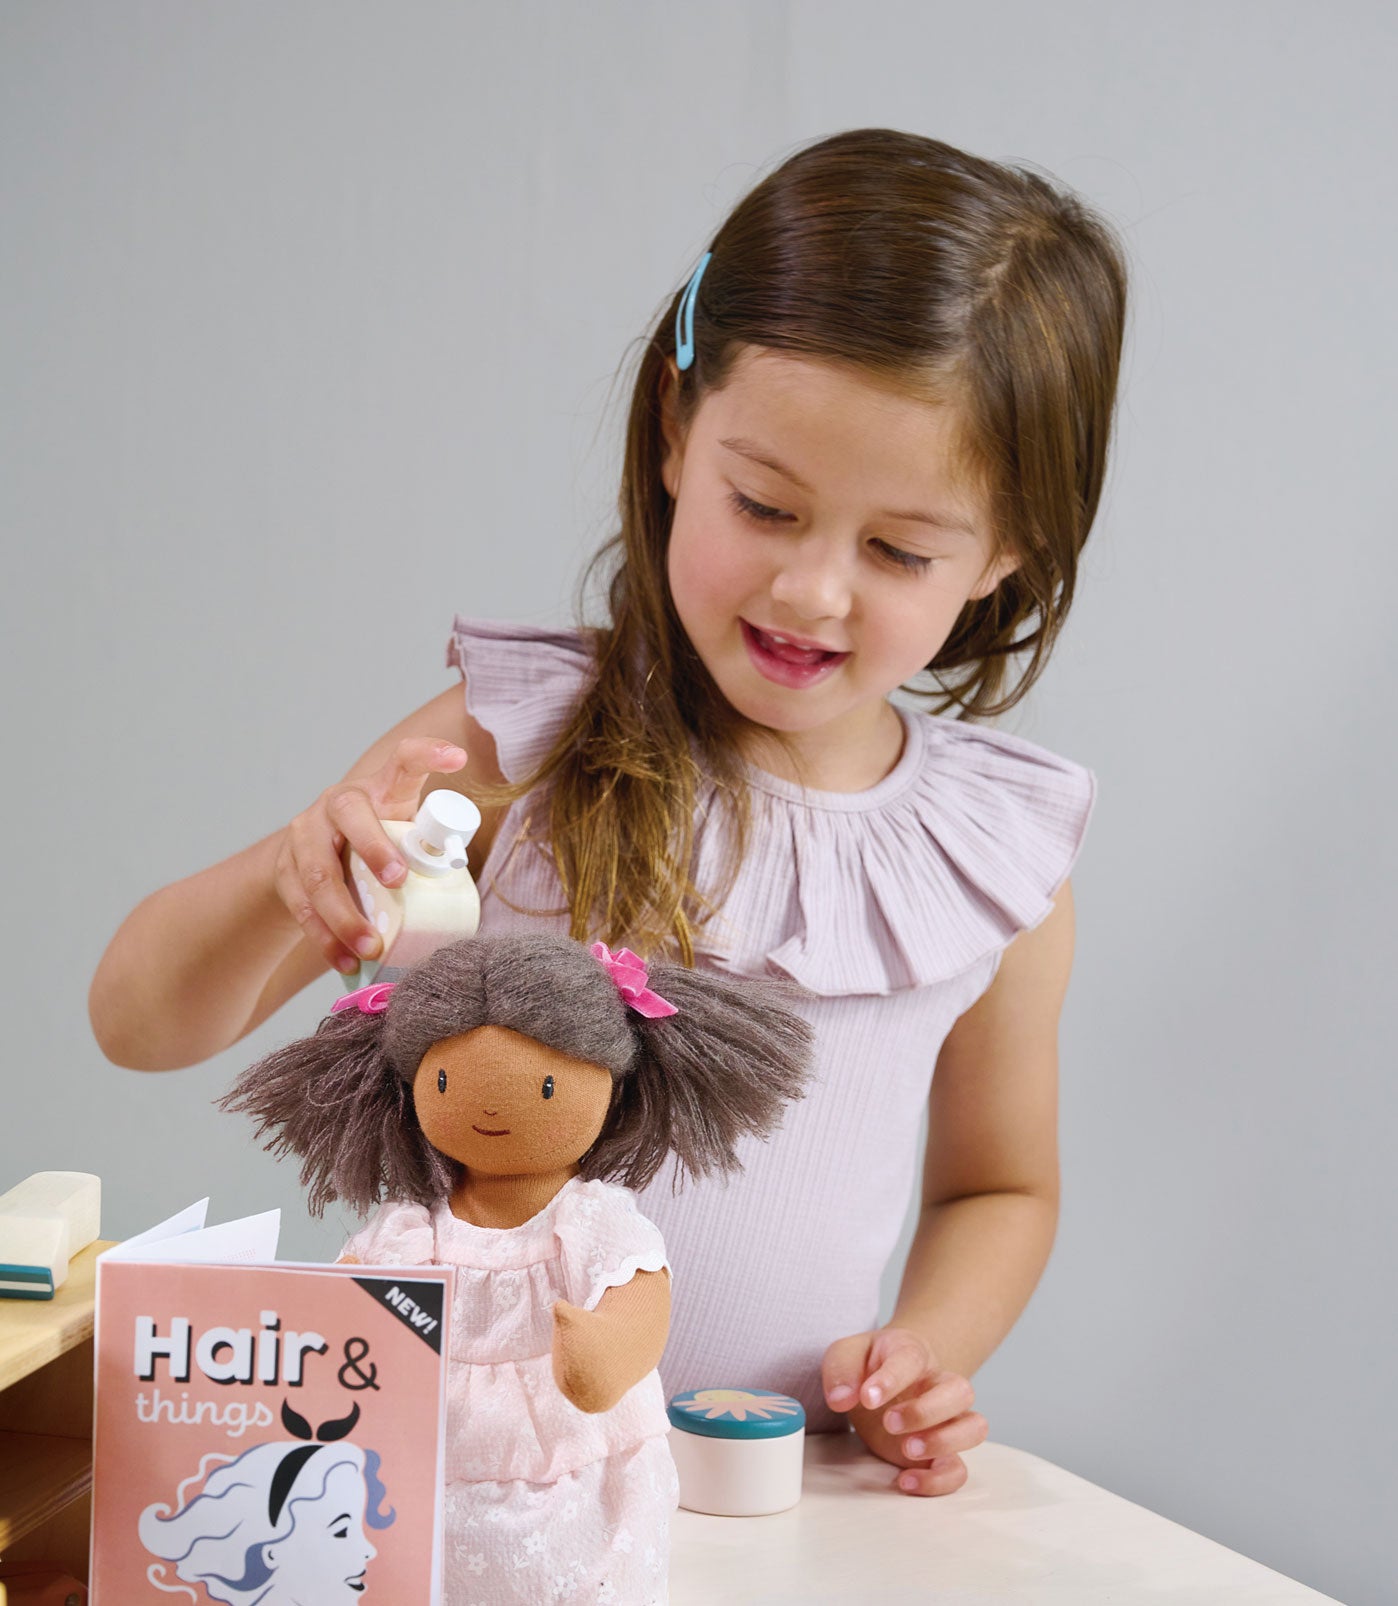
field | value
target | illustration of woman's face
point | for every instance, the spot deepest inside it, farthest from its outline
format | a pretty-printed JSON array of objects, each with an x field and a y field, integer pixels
[{"x": 321, "y": 1562}]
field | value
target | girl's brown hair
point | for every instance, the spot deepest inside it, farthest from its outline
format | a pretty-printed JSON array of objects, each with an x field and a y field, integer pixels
[{"x": 953, "y": 278}]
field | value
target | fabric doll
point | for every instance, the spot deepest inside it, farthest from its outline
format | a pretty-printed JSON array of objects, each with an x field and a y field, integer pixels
[{"x": 501, "y": 1098}]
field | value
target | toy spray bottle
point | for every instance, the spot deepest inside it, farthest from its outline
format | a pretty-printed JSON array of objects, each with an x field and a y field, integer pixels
[{"x": 437, "y": 901}]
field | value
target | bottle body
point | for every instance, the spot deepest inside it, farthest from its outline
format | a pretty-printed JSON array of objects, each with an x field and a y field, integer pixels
[{"x": 437, "y": 901}]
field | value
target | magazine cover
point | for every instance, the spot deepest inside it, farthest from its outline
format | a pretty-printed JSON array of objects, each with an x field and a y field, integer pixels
[{"x": 265, "y": 1433}]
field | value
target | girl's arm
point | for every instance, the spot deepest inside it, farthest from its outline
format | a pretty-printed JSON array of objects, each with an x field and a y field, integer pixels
[
  {"x": 990, "y": 1179},
  {"x": 198, "y": 964},
  {"x": 599, "y": 1354},
  {"x": 989, "y": 1212}
]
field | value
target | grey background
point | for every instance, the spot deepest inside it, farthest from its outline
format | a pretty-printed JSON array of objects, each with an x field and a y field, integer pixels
[{"x": 309, "y": 317}]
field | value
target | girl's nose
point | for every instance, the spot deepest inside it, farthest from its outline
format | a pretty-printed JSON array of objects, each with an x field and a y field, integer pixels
[{"x": 812, "y": 583}]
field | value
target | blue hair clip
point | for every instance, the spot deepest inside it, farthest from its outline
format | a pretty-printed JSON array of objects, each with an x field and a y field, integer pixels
[{"x": 684, "y": 317}]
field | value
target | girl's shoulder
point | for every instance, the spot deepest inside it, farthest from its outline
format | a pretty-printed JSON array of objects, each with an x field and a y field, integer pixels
[
  {"x": 521, "y": 682},
  {"x": 940, "y": 865}
]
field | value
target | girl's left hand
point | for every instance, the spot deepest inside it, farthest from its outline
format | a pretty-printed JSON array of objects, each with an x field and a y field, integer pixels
[{"x": 907, "y": 1409}]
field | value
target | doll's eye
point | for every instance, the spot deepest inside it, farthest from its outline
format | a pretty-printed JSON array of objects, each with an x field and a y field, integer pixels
[
  {"x": 441, "y": 1081},
  {"x": 548, "y": 1087}
]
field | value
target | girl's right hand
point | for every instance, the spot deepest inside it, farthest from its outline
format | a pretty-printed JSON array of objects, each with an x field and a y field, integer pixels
[{"x": 310, "y": 874}]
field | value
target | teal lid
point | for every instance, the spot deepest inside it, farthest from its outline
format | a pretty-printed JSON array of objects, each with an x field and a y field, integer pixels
[{"x": 736, "y": 1413}]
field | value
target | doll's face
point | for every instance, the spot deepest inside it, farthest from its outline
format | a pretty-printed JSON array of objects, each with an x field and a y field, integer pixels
[{"x": 503, "y": 1104}]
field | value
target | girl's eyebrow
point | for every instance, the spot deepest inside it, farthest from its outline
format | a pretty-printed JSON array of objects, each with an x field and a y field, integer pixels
[
  {"x": 343, "y": 1517},
  {"x": 755, "y": 453}
]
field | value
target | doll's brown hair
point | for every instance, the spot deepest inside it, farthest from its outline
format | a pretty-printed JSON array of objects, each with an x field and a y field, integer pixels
[
  {"x": 953, "y": 278},
  {"x": 688, "y": 1084}
]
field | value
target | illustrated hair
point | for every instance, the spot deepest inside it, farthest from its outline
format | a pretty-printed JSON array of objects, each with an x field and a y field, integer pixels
[
  {"x": 945, "y": 276},
  {"x": 218, "y": 1538},
  {"x": 688, "y": 1085}
]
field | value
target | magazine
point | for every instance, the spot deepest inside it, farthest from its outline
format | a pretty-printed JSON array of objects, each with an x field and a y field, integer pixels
[{"x": 266, "y": 1432}]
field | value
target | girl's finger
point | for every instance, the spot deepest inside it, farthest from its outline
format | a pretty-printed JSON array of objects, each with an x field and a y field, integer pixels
[
  {"x": 399, "y": 783},
  {"x": 900, "y": 1358},
  {"x": 962, "y": 1433},
  {"x": 313, "y": 928},
  {"x": 322, "y": 885},
  {"x": 948, "y": 1396},
  {"x": 943, "y": 1476},
  {"x": 842, "y": 1370},
  {"x": 350, "y": 810}
]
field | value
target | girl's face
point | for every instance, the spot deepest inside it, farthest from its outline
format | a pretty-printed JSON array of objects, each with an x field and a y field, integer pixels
[
  {"x": 821, "y": 551},
  {"x": 323, "y": 1559},
  {"x": 503, "y": 1104}
]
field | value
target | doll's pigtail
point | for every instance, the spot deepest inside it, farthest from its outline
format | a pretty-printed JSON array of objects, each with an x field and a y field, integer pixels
[
  {"x": 336, "y": 1100},
  {"x": 726, "y": 1063}
]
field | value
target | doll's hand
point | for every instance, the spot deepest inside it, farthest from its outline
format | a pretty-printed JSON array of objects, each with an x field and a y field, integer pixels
[
  {"x": 907, "y": 1409},
  {"x": 599, "y": 1354},
  {"x": 577, "y": 1338},
  {"x": 309, "y": 876}
]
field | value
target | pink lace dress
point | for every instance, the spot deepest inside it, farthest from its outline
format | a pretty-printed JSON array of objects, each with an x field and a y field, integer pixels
[{"x": 543, "y": 1502}]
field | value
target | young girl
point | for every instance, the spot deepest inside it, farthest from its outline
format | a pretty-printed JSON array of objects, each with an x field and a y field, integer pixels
[{"x": 866, "y": 445}]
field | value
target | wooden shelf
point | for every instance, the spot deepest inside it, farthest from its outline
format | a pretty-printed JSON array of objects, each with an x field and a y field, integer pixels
[
  {"x": 46, "y": 1420},
  {"x": 39, "y": 1475},
  {"x": 36, "y": 1331}
]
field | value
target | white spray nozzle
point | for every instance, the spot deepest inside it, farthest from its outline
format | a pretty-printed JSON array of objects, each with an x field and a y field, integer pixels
[{"x": 435, "y": 843}]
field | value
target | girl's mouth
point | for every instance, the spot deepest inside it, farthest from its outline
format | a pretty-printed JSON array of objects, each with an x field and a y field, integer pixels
[
  {"x": 786, "y": 664},
  {"x": 504, "y": 1132}
]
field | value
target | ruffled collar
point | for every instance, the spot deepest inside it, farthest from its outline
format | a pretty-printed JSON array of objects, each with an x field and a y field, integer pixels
[
  {"x": 899, "y": 778},
  {"x": 935, "y": 868}
]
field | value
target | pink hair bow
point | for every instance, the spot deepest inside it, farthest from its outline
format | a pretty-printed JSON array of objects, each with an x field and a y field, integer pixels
[
  {"x": 372, "y": 1000},
  {"x": 632, "y": 980}
]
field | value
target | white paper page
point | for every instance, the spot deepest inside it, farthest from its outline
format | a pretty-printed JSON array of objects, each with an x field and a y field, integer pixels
[
  {"x": 250, "y": 1241},
  {"x": 190, "y": 1219}
]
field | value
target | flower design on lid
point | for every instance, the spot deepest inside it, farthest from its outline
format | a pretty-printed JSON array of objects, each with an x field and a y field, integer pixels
[{"x": 738, "y": 1404}]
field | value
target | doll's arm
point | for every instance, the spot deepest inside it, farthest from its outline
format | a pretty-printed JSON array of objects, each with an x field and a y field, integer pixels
[{"x": 599, "y": 1354}]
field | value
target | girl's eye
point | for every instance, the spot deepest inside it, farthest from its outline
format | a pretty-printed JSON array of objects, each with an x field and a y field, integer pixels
[
  {"x": 759, "y": 513},
  {"x": 342, "y": 1533},
  {"x": 755, "y": 510},
  {"x": 441, "y": 1081},
  {"x": 548, "y": 1087},
  {"x": 904, "y": 560}
]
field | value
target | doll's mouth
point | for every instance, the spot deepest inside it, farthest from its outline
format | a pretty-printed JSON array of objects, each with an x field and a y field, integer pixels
[{"x": 504, "y": 1132}]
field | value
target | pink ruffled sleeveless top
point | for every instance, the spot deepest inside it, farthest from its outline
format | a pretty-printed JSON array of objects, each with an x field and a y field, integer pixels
[{"x": 892, "y": 907}]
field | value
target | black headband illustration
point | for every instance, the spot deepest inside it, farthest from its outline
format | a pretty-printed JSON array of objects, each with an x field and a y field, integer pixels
[{"x": 292, "y": 1462}]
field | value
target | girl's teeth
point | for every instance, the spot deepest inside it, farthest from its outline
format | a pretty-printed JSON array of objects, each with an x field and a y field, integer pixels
[{"x": 809, "y": 653}]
